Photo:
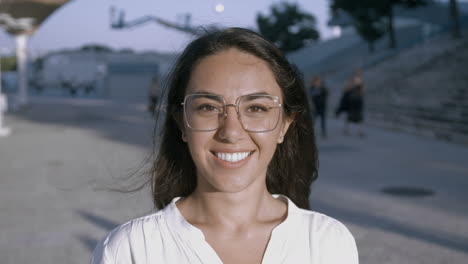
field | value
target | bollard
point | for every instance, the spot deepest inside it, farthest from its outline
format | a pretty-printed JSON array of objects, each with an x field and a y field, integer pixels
[{"x": 4, "y": 131}]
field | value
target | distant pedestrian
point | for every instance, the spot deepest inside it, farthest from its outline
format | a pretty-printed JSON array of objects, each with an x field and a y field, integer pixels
[
  {"x": 89, "y": 87},
  {"x": 319, "y": 93},
  {"x": 69, "y": 87},
  {"x": 153, "y": 97},
  {"x": 352, "y": 102}
]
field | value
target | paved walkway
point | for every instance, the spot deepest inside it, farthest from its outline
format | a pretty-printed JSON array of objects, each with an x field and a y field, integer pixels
[{"x": 63, "y": 157}]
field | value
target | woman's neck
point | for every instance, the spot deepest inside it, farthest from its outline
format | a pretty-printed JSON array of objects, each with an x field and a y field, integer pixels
[{"x": 231, "y": 210}]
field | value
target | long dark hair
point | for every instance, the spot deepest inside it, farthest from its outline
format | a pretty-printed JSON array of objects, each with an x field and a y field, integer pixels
[{"x": 293, "y": 167}]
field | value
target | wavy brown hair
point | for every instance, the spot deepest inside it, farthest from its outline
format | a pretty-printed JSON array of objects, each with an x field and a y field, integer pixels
[{"x": 293, "y": 167}]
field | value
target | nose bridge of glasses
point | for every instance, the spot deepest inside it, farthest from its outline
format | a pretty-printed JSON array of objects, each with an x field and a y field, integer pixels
[
  {"x": 236, "y": 118},
  {"x": 236, "y": 108}
]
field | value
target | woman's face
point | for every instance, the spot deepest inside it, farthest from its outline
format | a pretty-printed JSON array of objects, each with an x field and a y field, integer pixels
[{"x": 231, "y": 159}]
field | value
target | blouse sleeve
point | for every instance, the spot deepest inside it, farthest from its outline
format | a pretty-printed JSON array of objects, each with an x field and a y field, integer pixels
[
  {"x": 99, "y": 254},
  {"x": 337, "y": 245},
  {"x": 114, "y": 249}
]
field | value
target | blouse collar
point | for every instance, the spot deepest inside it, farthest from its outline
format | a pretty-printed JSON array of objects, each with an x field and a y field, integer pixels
[{"x": 187, "y": 230}]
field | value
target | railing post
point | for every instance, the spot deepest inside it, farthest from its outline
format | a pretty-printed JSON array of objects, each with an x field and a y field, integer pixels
[{"x": 21, "y": 56}]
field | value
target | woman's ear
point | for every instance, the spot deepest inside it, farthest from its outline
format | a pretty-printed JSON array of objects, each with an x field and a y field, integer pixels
[{"x": 285, "y": 126}]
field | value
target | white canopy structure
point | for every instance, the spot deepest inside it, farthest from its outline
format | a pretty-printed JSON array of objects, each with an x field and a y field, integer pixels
[{"x": 21, "y": 18}]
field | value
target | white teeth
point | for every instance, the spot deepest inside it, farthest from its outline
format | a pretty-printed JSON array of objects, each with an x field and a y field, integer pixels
[{"x": 232, "y": 157}]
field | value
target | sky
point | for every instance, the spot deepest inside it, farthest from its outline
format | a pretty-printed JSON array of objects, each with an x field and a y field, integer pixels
[{"x": 88, "y": 21}]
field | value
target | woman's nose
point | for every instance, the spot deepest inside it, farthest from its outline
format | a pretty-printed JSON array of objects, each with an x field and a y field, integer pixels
[{"x": 231, "y": 128}]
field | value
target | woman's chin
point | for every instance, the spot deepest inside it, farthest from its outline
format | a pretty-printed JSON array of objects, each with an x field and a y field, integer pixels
[{"x": 229, "y": 183}]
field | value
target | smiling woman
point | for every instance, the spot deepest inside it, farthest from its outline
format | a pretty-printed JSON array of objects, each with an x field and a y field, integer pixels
[{"x": 233, "y": 173}]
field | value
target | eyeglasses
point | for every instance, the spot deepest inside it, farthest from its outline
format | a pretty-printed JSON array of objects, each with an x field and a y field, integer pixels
[{"x": 256, "y": 112}]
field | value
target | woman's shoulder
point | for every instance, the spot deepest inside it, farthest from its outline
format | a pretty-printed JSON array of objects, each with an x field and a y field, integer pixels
[
  {"x": 323, "y": 223},
  {"x": 139, "y": 224},
  {"x": 127, "y": 235},
  {"x": 319, "y": 220},
  {"x": 329, "y": 235},
  {"x": 318, "y": 224}
]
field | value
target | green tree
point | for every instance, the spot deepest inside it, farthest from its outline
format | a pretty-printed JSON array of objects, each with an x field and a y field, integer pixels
[
  {"x": 381, "y": 8},
  {"x": 96, "y": 47},
  {"x": 288, "y": 27},
  {"x": 370, "y": 27},
  {"x": 8, "y": 63},
  {"x": 386, "y": 8}
]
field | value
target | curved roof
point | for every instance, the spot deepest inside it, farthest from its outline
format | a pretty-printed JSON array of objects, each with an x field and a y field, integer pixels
[{"x": 25, "y": 16}]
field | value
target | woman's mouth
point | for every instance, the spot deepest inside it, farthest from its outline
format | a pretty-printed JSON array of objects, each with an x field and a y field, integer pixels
[{"x": 232, "y": 157}]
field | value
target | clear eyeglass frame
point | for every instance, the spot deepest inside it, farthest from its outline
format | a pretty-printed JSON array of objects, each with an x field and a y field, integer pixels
[{"x": 236, "y": 105}]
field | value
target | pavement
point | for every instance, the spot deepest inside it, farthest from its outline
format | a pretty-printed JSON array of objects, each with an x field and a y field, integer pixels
[{"x": 66, "y": 166}]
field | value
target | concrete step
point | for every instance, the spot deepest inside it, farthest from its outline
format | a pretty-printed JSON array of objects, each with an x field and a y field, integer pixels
[
  {"x": 454, "y": 116},
  {"x": 404, "y": 120}
]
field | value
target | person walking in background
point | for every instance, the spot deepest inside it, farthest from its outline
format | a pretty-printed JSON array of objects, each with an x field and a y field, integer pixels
[
  {"x": 352, "y": 102},
  {"x": 153, "y": 95},
  {"x": 319, "y": 93}
]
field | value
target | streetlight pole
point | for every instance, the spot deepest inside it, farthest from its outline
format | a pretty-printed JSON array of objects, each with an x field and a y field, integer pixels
[
  {"x": 4, "y": 131},
  {"x": 21, "y": 27},
  {"x": 21, "y": 55}
]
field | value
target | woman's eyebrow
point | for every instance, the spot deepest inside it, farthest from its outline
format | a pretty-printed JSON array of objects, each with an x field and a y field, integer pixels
[
  {"x": 259, "y": 93},
  {"x": 205, "y": 92},
  {"x": 253, "y": 96},
  {"x": 213, "y": 94}
]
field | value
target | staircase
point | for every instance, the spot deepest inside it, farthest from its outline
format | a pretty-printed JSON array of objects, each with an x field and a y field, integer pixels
[{"x": 422, "y": 90}]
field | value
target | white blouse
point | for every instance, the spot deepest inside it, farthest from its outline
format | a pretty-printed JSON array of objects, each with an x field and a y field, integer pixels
[{"x": 166, "y": 237}]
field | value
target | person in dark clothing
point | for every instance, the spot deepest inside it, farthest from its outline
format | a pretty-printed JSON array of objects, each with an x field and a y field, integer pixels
[
  {"x": 319, "y": 93},
  {"x": 153, "y": 96},
  {"x": 352, "y": 102}
]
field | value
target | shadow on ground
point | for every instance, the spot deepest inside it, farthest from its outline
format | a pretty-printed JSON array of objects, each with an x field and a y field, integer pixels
[
  {"x": 99, "y": 221},
  {"x": 121, "y": 122},
  {"x": 368, "y": 220}
]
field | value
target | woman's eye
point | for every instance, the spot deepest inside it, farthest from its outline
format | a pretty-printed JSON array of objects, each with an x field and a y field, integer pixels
[
  {"x": 208, "y": 108},
  {"x": 257, "y": 109}
]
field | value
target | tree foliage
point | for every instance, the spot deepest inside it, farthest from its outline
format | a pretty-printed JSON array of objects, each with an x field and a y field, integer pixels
[
  {"x": 8, "y": 63},
  {"x": 370, "y": 27},
  {"x": 455, "y": 18},
  {"x": 96, "y": 47},
  {"x": 288, "y": 27},
  {"x": 378, "y": 13}
]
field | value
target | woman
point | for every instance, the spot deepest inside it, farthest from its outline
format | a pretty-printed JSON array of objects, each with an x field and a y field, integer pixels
[
  {"x": 352, "y": 102},
  {"x": 237, "y": 131}
]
